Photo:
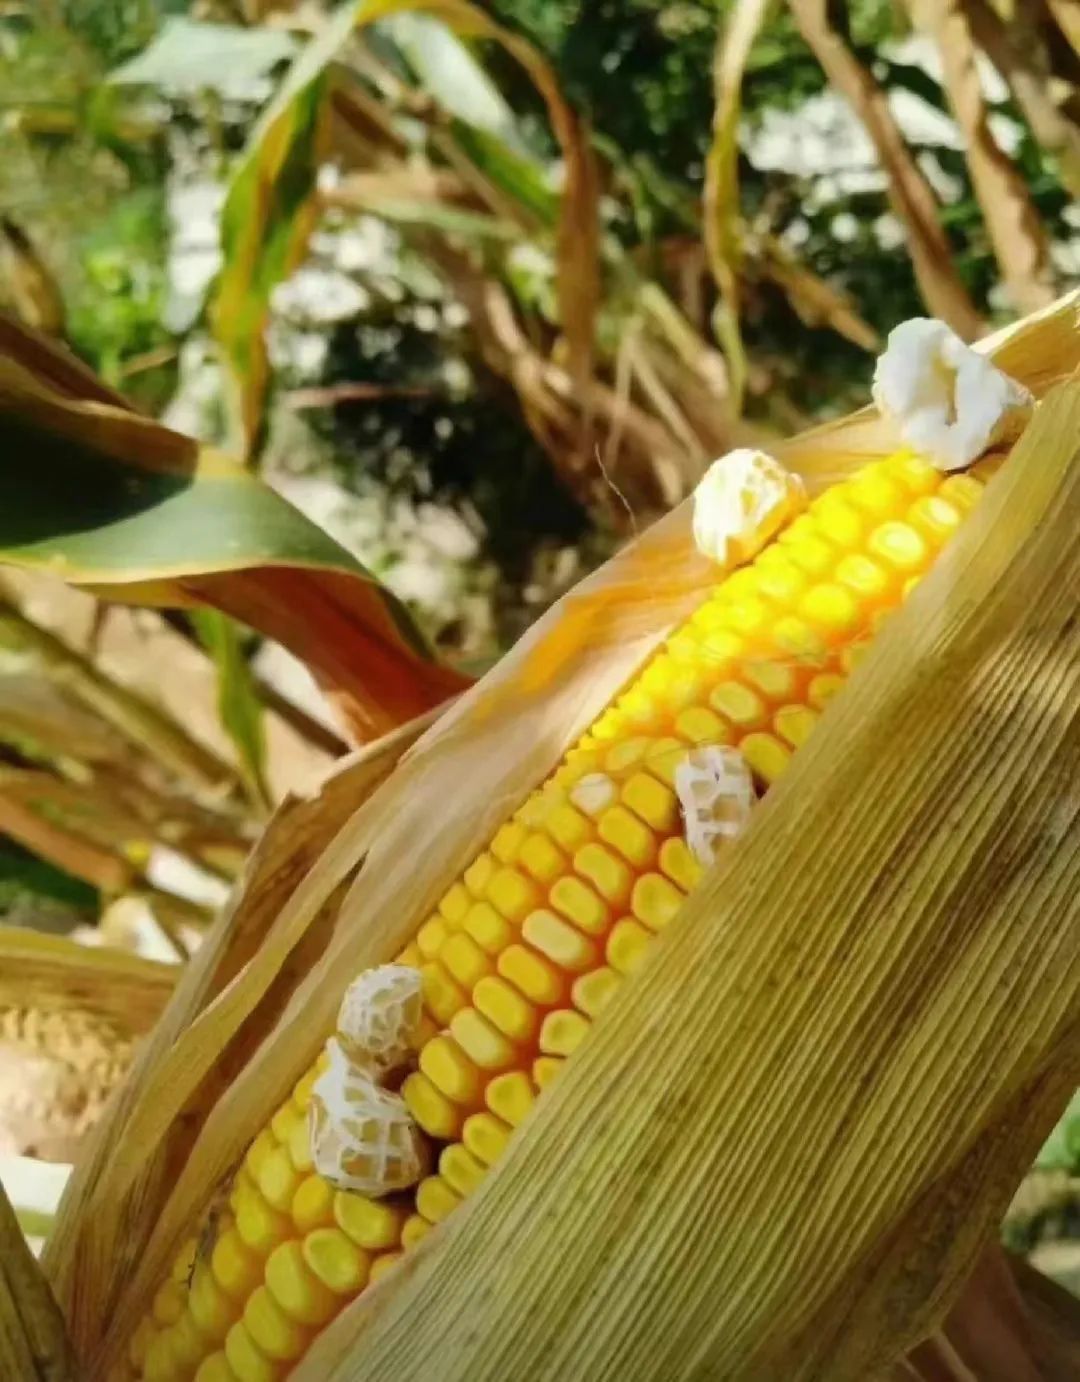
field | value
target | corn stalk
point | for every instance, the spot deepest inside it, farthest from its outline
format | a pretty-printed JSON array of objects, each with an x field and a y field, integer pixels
[{"x": 910, "y": 194}]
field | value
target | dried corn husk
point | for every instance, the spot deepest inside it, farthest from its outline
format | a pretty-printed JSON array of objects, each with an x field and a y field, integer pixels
[
  {"x": 33, "y": 1344},
  {"x": 253, "y": 1010},
  {"x": 69, "y": 1019}
]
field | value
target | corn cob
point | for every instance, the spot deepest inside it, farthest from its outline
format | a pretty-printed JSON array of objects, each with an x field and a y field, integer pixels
[{"x": 526, "y": 948}]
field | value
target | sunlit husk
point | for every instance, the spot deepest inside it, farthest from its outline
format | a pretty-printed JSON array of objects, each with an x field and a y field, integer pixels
[{"x": 260, "y": 998}]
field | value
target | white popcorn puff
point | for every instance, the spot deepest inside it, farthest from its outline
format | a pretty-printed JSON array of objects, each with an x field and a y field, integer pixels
[
  {"x": 380, "y": 1016},
  {"x": 716, "y": 794},
  {"x": 742, "y": 501},
  {"x": 362, "y": 1135},
  {"x": 949, "y": 402}
]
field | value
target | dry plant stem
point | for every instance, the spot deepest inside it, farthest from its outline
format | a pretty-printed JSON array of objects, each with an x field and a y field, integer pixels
[
  {"x": 1027, "y": 81},
  {"x": 33, "y": 1344},
  {"x": 1053, "y": 1323},
  {"x": 72, "y": 853},
  {"x": 1066, "y": 14},
  {"x": 910, "y": 195},
  {"x": 789, "y": 1137},
  {"x": 1020, "y": 244},
  {"x": 136, "y": 718}
]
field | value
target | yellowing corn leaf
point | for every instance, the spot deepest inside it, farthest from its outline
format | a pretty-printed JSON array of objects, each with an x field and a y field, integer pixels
[
  {"x": 269, "y": 210},
  {"x": 250, "y": 1017},
  {"x": 117, "y": 503}
]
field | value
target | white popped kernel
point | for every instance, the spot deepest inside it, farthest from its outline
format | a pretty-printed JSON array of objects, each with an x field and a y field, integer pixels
[
  {"x": 743, "y": 500},
  {"x": 379, "y": 1017},
  {"x": 363, "y": 1137},
  {"x": 594, "y": 793},
  {"x": 949, "y": 403},
  {"x": 716, "y": 794}
]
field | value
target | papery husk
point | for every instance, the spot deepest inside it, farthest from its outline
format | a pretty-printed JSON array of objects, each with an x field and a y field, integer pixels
[
  {"x": 183, "y": 1124},
  {"x": 33, "y": 1343}
]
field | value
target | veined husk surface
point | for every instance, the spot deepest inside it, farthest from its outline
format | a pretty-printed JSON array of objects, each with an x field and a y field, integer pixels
[{"x": 783, "y": 1145}]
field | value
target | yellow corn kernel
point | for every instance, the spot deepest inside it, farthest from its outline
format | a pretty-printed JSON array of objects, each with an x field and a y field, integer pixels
[
  {"x": 812, "y": 555},
  {"x": 465, "y": 960},
  {"x": 798, "y": 638},
  {"x": 460, "y": 1169},
  {"x": 832, "y": 610},
  {"x": 371, "y": 1224},
  {"x": 766, "y": 757},
  {"x": 837, "y": 521},
  {"x": 867, "y": 580},
  {"x": 542, "y": 860},
  {"x": 739, "y": 705},
  {"x": 432, "y": 936},
  {"x": 560, "y": 942},
  {"x": 188, "y": 1345},
  {"x": 631, "y": 837},
  {"x": 679, "y": 864},
  {"x": 591, "y": 991},
  {"x": 512, "y": 893},
  {"x": 410, "y": 956},
  {"x": 608, "y": 874},
  {"x": 236, "y": 1268},
  {"x": 507, "y": 842},
  {"x": 486, "y": 1137},
  {"x": 246, "y": 1359},
  {"x": 431, "y": 1109},
  {"x": 168, "y": 1303},
  {"x": 962, "y": 490},
  {"x": 625, "y": 754},
  {"x": 140, "y": 1341},
  {"x": 257, "y": 1153},
  {"x": 912, "y": 471},
  {"x": 505, "y": 1008},
  {"x": 259, "y": 1225},
  {"x": 510, "y": 1097},
  {"x": 900, "y": 547},
  {"x": 215, "y": 1368},
  {"x": 312, "y": 1204},
  {"x": 569, "y": 828},
  {"x": 443, "y": 995},
  {"x": 639, "y": 709},
  {"x": 873, "y": 493},
  {"x": 481, "y": 1041},
  {"x": 278, "y": 1180},
  {"x": 296, "y": 1288},
  {"x": 779, "y": 578},
  {"x": 627, "y": 945},
  {"x": 665, "y": 758},
  {"x": 935, "y": 517},
  {"x": 795, "y": 723},
  {"x": 415, "y": 1228},
  {"x": 435, "y": 1200},
  {"x": 698, "y": 725},
  {"x": 488, "y": 928},
  {"x": 299, "y": 1147},
  {"x": 274, "y": 1333},
  {"x": 336, "y": 1261},
  {"x": 383, "y": 1265},
  {"x": 823, "y": 688},
  {"x": 160, "y": 1364},
  {"x": 211, "y": 1309},
  {"x": 652, "y": 801},
  {"x": 478, "y": 875},
  {"x": 545, "y": 1068},
  {"x": 281, "y": 1124},
  {"x": 563, "y": 1032},
  {"x": 576, "y": 901},
  {"x": 450, "y": 1070},
  {"x": 655, "y": 901},
  {"x": 532, "y": 974},
  {"x": 454, "y": 904}
]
